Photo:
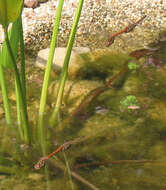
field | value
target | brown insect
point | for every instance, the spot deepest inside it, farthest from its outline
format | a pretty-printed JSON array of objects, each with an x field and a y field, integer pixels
[
  {"x": 127, "y": 29},
  {"x": 63, "y": 147}
]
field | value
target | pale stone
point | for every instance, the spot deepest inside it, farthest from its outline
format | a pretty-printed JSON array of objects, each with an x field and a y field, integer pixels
[
  {"x": 75, "y": 64},
  {"x": 31, "y": 3},
  {"x": 35, "y": 176},
  {"x": 12, "y": 96},
  {"x": 74, "y": 92}
]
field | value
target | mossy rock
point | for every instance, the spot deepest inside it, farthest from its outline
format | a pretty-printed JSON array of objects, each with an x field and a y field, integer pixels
[
  {"x": 103, "y": 63},
  {"x": 74, "y": 92},
  {"x": 156, "y": 86}
]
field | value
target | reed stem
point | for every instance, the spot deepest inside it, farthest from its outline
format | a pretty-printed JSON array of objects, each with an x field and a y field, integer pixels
[
  {"x": 27, "y": 135},
  {"x": 47, "y": 72},
  {"x": 5, "y": 96},
  {"x": 64, "y": 72}
]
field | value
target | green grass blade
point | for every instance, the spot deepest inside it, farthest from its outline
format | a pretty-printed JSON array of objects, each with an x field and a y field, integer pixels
[
  {"x": 48, "y": 70},
  {"x": 14, "y": 41},
  {"x": 18, "y": 106},
  {"x": 5, "y": 96},
  {"x": 5, "y": 61},
  {"x": 22, "y": 58},
  {"x": 27, "y": 134},
  {"x": 9, "y": 11},
  {"x": 64, "y": 72}
]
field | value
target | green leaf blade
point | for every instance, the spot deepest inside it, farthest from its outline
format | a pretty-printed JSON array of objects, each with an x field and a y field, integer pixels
[
  {"x": 9, "y": 11},
  {"x": 14, "y": 37}
]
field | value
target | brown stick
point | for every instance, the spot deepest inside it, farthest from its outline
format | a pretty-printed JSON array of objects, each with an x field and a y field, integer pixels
[
  {"x": 142, "y": 53},
  {"x": 78, "y": 166},
  {"x": 96, "y": 92},
  {"x": 59, "y": 164},
  {"x": 84, "y": 181}
]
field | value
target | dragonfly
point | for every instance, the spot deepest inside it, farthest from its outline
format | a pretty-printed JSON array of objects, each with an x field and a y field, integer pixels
[
  {"x": 127, "y": 29},
  {"x": 62, "y": 147}
]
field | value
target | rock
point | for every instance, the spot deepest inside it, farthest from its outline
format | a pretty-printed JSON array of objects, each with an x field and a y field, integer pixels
[
  {"x": 12, "y": 96},
  {"x": 75, "y": 64},
  {"x": 31, "y": 3},
  {"x": 103, "y": 63},
  {"x": 74, "y": 92},
  {"x": 35, "y": 176}
]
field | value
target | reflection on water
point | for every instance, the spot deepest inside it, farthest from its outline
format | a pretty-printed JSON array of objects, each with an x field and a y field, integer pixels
[{"x": 120, "y": 149}]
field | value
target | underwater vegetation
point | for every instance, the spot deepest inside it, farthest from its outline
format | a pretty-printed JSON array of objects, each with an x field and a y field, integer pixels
[
  {"x": 130, "y": 103},
  {"x": 108, "y": 127},
  {"x": 125, "y": 144}
]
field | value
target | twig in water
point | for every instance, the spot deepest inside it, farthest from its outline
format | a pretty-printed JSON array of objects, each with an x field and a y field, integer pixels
[
  {"x": 60, "y": 165},
  {"x": 78, "y": 166},
  {"x": 143, "y": 52}
]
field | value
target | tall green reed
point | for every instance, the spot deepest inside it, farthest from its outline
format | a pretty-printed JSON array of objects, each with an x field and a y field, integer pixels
[
  {"x": 8, "y": 56},
  {"x": 9, "y": 13},
  {"x": 64, "y": 72},
  {"x": 48, "y": 71}
]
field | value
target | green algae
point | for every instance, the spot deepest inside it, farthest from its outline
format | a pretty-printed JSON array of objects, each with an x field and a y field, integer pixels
[
  {"x": 74, "y": 92},
  {"x": 128, "y": 101},
  {"x": 113, "y": 136},
  {"x": 103, "y": 63},
  {"x": 120, "y": 135}
]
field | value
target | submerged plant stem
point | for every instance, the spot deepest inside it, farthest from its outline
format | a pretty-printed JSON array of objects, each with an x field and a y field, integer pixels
[
  {"x": 60, "y": 165},
  {"x": 64, "y": 72},
  {"x": 69, "y": 171},
  {"x": 47, "y": 74},
  {"x": 79, "y": 166},
  {"x": 27, "y": 136},
  {"x": 22, "y": 59},
  {"x": 18, "y": 105},
  {"x": 5, "y": 96}
]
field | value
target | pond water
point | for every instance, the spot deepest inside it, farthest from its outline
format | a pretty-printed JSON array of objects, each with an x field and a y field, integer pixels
[{"x": 121, "y": 130}]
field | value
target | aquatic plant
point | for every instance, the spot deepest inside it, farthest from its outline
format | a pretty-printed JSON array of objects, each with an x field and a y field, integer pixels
[
  {"x": 10, "y": 12},
  {"x": 113, "y": 123},
  {"x": 132, "y": 65},
  {"x": 129, "y": 103}
]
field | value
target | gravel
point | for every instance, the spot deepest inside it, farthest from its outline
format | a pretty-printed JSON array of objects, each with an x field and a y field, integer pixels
[{"x": 99, "y": 19}]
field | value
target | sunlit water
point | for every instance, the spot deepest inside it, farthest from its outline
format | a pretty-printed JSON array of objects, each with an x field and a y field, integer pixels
[{"x": 121, "y": 147}]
